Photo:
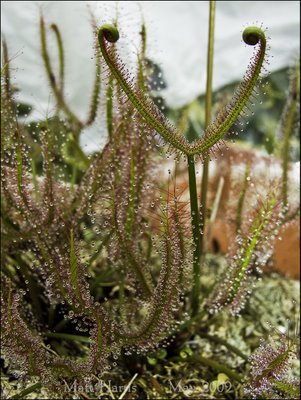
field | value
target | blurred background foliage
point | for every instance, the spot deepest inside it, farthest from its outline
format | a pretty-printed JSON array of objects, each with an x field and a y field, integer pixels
[{"x": 260, "y": 128}]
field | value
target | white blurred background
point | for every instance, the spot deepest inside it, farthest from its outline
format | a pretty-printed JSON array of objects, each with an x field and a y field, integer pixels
[{"x": 176, "y": 41}]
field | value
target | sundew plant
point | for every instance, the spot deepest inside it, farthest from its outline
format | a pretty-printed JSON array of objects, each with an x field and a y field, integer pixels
[{"x": 102, "y": 261}]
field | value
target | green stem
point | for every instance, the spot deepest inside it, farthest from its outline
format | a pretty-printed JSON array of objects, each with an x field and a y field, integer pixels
[
  {"x": 242, "y": 198},
  {"x": 59, "y": 326},
  {"x": 223, "y": 342},
  {"x": 208, "y": 112},
  {"x": 27, "y": 391},
  {"x": 288, "y": 125},
  {"x": 217, "y": 366},
  {"x": 67, "y": 336},
  {"x": 212, "y": 364},
  {"x": 195, "y": 221},
  {"x": 196, "y": 319}
]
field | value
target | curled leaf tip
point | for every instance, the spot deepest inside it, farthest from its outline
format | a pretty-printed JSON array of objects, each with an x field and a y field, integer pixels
[
  {"x": 156, "y": 120},
  {"x": 109, "y": 32},
  {"x": 252, "y": 34}
]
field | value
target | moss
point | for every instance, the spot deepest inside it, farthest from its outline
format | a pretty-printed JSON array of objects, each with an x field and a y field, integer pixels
[{"x": 157, "y": 380}]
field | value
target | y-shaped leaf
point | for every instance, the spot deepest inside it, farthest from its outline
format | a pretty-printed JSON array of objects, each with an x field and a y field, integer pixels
[{"x": 153, "y": 116}]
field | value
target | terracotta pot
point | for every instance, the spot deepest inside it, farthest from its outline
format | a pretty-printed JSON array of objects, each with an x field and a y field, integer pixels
[{"x": 264, "y": 172}]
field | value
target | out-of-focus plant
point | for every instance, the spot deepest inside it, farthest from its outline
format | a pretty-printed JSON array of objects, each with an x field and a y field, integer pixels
[
  {"x": 271, "y": 367},
  {"x": 289, "y": 124}
]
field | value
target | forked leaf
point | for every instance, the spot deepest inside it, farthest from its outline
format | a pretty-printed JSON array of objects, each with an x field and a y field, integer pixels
[{"x": 154, "y": 117}]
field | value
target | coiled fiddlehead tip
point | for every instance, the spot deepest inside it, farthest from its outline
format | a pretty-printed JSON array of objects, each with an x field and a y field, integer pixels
[
  {"x": 109, "y": 32},
  {"x": 252, "y": 34}
]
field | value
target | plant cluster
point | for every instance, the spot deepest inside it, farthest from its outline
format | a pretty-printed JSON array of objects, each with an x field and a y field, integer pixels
[{"x": 95, "y": 250}]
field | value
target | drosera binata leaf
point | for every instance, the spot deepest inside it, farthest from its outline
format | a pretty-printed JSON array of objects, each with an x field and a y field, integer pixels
[
  {"x": 252, "y": 35},
  {"x": 73, "y": 264}
]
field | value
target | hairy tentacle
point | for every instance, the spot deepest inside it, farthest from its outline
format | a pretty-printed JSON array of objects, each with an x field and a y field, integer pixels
[
  {"x": 59, "y": 96},
  {"x": 165, "y": 298},
  {"x": 95, "y": 93},
  {"x": 254, "y": 242},
  {"x": 60, "y": 46},
  {"x": 153, "y": 116}
]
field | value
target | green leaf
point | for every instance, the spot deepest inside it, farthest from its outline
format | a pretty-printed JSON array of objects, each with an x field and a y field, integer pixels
[{"x": 152, "y": 361}]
